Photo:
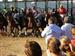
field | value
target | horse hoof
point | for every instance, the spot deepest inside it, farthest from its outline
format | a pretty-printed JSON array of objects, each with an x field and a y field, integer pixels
[{"x": 12, "y": 34}]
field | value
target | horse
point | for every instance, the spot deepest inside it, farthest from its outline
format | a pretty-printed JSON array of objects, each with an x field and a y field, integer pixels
[
  {"x": 11, "y": 23},
  {"x": 40, "y": 22},
  {"x": 21, "y": 22},
  {"x": 3, "y": 22}
]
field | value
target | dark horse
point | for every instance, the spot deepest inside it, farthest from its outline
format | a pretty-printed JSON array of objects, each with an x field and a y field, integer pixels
[
  {"x": 22, "y": 23},
  {"x": 35, "y": 22},
  {"x": 40, "y": 22},
  {"x": 3, "y": 22}
]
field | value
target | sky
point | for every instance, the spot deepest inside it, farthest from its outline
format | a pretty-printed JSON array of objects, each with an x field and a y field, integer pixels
[
  {"x": 11, "y": 0},
  {"x": 22, "y": 0},
  {"x": 1, "y": 0}
]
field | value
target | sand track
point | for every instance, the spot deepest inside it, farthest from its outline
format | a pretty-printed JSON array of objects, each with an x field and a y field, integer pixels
[{"x": 15, "y": 45}]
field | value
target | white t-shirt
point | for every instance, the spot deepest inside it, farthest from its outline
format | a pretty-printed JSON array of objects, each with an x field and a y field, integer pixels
[
  {"x": 67, "y": 30},
  {"x": 52, "y": 30}
]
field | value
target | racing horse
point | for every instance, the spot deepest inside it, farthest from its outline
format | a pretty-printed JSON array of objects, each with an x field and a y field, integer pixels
[
  {"x": 11, "y": 23},
  {"x": 40, "y": 22},
  {"x": 22, "y": 23}
]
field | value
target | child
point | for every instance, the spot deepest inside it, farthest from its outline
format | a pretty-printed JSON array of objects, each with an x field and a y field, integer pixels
[
  {"x": 53, "y": 47},
  {"x": 73, "y": 39},
  {"x": 32, "y": 48}
]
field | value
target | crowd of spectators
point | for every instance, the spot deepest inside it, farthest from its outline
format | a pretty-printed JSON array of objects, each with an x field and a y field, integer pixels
[
  {"x": 63, "y": 46},
  {"x": 60, "y": 41}
]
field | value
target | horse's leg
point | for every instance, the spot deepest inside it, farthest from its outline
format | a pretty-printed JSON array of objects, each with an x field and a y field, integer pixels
[
  {"x": 25, "y": 31},
  {"x": 26, "y": 26},
  {"x": 5, "y": 28},
  {"x": 12, "y": 31},
  {"x": 16, "y": 31},
  {"x": 33, "y": 28},
  {"x": 37, "y": 31},
  {"x": 1, "y": 29},
  {"x": 42, "y": 27},
  {"x": 20, "y": 30},
  {"x": 8, "y": 30}
]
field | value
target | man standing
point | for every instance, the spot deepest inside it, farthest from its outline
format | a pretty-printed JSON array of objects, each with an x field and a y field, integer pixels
[
  {"x": 62, "y": 11},
  {"x": 66, "y": 27}
]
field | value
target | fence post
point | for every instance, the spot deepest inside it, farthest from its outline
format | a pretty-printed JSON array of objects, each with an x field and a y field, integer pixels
[
  {"x": 46, "y": 5},
  {"x": 56, "y": 4},
  {"x": 67, "y": 6},
  {"x": 5, "y": 3},
  {"x": 72, "y": 8}
]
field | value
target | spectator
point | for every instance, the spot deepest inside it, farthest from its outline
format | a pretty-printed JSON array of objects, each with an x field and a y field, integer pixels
[
  {"x": 32, "y": 48},
  {"x": 73, "y": 31},
  {"x": 66, "y": 27},
  {"x": 62, "y": 11},
  {"x": 65, "y": 46},
  {"x": 73, "y": 39},
  {"x": 53, "y": 47},
  {"x": 52, "y": 30}
]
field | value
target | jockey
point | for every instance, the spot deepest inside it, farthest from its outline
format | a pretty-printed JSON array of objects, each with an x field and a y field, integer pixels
[
  {"x": 16, "y": 17},
  {"x": 34, "y": 11}
]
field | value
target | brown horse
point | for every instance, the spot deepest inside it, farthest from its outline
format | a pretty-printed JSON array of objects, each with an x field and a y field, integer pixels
[
  {"x": 11, "y": 28},
  {"x": 11, "y": 24}
]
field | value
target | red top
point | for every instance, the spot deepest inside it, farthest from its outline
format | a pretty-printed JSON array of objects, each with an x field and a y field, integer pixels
[
  {"x": 73, "y": 42},
  {"x": 62, "y": 10}
]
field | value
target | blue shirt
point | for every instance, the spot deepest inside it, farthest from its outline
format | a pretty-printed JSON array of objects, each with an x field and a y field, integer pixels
[
  {"x": 67, "y": 29},
  {"x": 52, "y": 30}
]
